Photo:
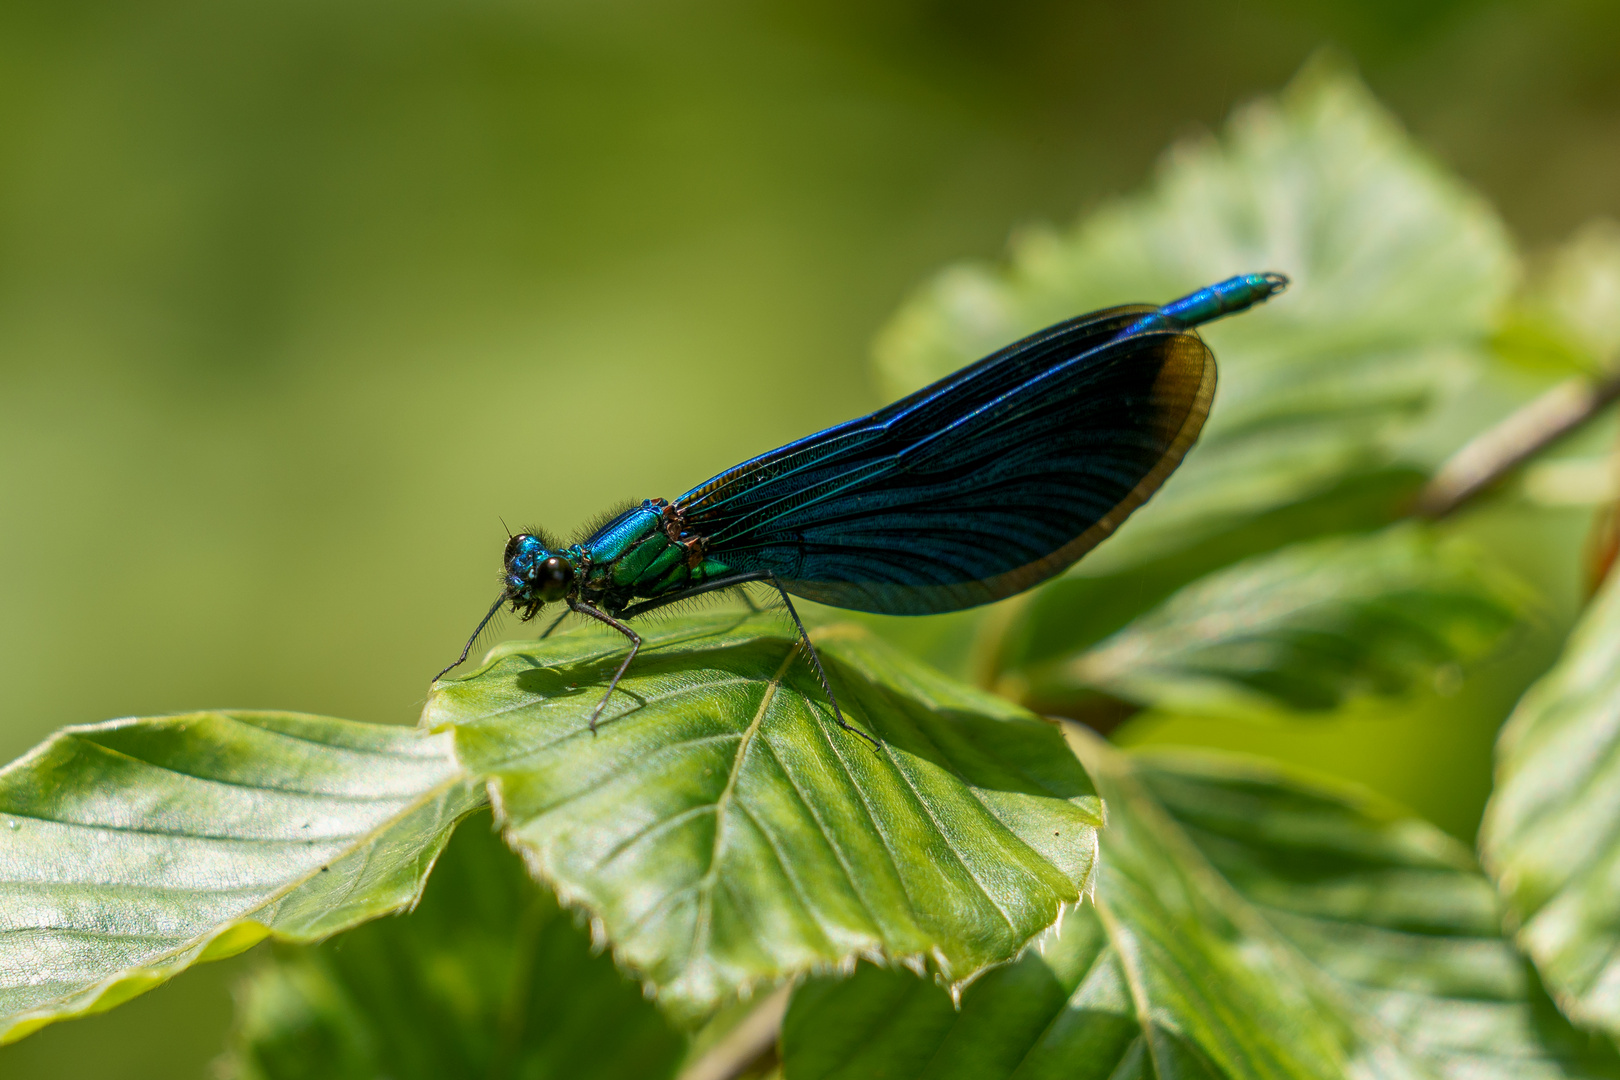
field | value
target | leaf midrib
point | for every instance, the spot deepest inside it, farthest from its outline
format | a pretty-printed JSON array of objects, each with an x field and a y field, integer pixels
[
  {"x": 705, "y": 884},
  {"x": 361, "y": 756},
  {"x": 275, "y": 895},
  {"x": 537, "y": 701}
]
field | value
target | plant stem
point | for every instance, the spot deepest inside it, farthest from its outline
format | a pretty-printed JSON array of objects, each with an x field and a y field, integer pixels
[
  {"x": 1497, "y": 451},
  {"x": 750, "y": 1043}
]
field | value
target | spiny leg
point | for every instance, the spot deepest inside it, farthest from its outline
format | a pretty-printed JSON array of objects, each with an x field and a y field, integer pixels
[
  {"x": 635, "y": 647},
  {"x": 730, "y": 581},
  {"x": 561, "y": 615},
  {"x": 815, "y": 661}
]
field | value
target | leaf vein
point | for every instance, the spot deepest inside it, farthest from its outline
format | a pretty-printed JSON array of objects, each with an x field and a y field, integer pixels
[
  {"x": 946, "y": 840},
  {"x": 797, "y": 886},
  {"x": 705, "y": 885},
  {"x": 243, "y": 785},
  {"x": 838, "y": 853},
  {"x": 422, "y": 752},
  {"x": 630, "y": 770},
  {"x": 647, "y": 831},
  {"x": 872, "y": 819}
]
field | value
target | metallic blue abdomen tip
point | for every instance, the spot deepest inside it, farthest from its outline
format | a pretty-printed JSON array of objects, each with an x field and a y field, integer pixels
[{"x": 1227, "y": 297}]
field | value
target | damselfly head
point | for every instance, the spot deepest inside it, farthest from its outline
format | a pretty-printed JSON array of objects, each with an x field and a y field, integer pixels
[{"x": 535, "y": 574}]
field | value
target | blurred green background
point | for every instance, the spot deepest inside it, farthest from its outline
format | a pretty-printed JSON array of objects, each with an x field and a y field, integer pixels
[{"x": 297, "y": 300}]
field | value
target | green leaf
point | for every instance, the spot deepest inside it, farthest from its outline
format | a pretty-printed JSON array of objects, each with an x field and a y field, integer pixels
[
  {"x": 1078, "y": 610},
  {"x": 722, "y": 832},
  {"x": 1551, "y": 835},
  {"x": 1305, "y": 628},
  {"x": 1064, "y": 1009},
  {"x": 1352, "y": 382},
  {"x": 487, "y": 977},
  {"x": 1398, "y": 272},
  {"x": 133, "y": 849},
  {"x": 1249, "y": 923},
  {"x": 1569, "y": 316},
  {"x": 1396, "y": 912}
]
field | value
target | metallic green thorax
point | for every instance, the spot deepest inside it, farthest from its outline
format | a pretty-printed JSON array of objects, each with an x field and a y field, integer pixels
[
  {"x": 641, "y": 554},
  {"x": 635, "y": 556}
]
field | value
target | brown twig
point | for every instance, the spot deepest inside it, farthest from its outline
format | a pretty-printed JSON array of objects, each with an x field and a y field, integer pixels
[
  {"x": 1492, "y": 454},
  {"x": 751, "y": 1043}
]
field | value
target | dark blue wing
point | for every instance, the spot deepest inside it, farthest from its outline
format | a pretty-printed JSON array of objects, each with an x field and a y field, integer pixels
[{"x": 977, "y": 487}]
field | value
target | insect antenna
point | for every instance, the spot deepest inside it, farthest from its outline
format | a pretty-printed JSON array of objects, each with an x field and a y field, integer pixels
[{"x": 467, "y": 648}]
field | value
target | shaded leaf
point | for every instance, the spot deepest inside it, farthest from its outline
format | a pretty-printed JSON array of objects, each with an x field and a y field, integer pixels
[
  {"x": 1551, "y": 834},
  {"x": 1076, "y": 611},
  {"x": 1250, "y": 923},
  {"x": 1063, "y": 1010},
  {"x": 133, "y": 849},
  {"x": 487, "y": 977},
  {"x": 1306, "y": 628},
  {"x": 721, "y": 831},
  {"x": 1395, "y": 911}
]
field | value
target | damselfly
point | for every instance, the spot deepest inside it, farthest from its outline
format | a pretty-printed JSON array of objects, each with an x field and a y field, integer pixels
[{"x": 975, "y": 488}]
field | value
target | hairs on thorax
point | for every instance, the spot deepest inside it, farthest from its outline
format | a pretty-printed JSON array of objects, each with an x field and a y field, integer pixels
[{"x": 592, "y": 525}]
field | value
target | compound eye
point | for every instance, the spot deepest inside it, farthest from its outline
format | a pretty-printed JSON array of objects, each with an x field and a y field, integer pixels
[{"x": 555, "y": 577}]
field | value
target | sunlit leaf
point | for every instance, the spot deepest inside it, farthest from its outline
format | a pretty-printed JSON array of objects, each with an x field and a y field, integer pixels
[
  {"x": 721, "y": 831},
  {"x": 133, "y": 849},
  {"x": 1304, "y": 628},
  {"x": 485, "y": 978},
  {"x": 1552, "y": 830},
  {"x": 1351, "y": 378},
  {"x": 1249, "y": 923},
  {"x": 1397, "y": 272},
  {"x": 1569, "y": 315}
]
